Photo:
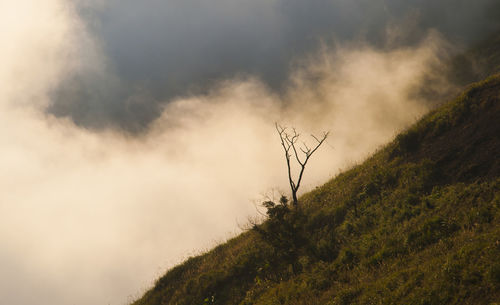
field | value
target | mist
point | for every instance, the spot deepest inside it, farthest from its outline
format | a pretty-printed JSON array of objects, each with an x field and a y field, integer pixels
[
  {"x": 94, "y": 215},
  {"x": 156, "y": 50}
]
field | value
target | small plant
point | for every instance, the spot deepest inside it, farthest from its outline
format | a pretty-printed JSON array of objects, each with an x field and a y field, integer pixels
[{"x": 283, "y": 231}]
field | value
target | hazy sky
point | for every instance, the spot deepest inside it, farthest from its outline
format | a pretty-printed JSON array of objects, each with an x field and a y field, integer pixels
[{"x": 92, "y": 214}]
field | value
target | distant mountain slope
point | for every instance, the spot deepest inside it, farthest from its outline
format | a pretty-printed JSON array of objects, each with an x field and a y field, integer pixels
[
  {"x": 417, "y": 223},
  {"x": 479, "y": 62}
]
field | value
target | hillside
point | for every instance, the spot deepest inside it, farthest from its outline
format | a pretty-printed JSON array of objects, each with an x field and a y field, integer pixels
[{"x": 417, "y": 223}]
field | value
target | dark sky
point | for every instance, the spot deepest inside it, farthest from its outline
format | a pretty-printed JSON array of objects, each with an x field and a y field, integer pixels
[{"x": 156, "y": 50}]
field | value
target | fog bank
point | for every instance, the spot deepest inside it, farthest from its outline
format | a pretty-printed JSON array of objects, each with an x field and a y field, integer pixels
[{"x": 92, "y": 217}]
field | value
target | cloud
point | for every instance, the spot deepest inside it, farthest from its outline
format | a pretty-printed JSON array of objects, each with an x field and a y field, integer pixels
[
  {"x": 92, "y": 217},
  {"x": 154, "y": 51}
]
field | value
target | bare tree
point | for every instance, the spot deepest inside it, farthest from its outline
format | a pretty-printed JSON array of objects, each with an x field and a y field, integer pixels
[{"x": 289, "y": 143}]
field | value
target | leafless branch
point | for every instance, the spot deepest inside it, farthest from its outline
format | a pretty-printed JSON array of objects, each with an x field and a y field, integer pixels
[{"x": 288, "y": 141}]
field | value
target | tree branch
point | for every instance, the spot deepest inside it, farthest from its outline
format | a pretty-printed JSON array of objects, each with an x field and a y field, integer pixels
[{"x": 288, "y": 141}]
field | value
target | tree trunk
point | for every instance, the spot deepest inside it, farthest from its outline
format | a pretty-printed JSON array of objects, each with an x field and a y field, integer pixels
[{"x": 294, "y": 197}]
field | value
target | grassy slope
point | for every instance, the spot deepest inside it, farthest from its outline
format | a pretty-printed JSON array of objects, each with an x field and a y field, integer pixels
[{"x": 417, "y": 223}]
